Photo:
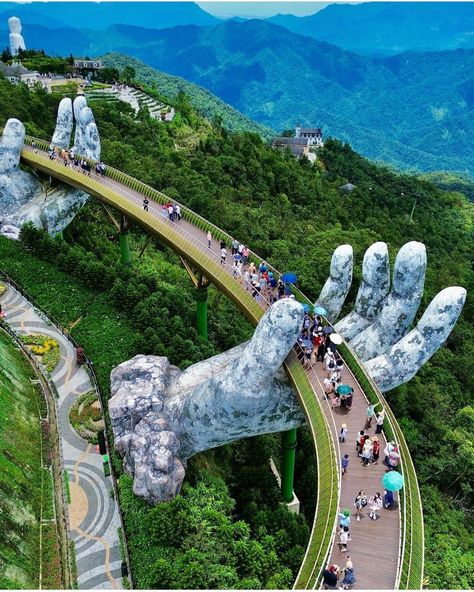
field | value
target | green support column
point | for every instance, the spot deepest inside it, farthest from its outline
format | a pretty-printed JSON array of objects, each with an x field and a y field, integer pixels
[
  {"x": 201, "y": 311},
  {"x": 124, "y": 242},
  {"x": 288, "y": 444}
]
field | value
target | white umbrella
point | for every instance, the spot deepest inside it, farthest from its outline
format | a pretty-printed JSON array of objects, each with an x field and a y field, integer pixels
[{"x": 335, "y": 338}]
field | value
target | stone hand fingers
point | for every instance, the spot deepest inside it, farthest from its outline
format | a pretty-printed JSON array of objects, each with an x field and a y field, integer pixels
[
  {"x": 336, "y": 288},
  {"x": 403, "y": 360},
  {"x": 372, "y": 293},
  {"x": 399, "y": 308},
  {"x": 86, "y": 140},
  {"x": 10, "y": 146},
  {"x": 64, "y": 124},
  {"x": 273, "y": 339}
]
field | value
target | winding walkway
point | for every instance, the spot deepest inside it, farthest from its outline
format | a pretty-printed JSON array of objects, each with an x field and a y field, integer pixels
[{"x": 93, "y": 513}]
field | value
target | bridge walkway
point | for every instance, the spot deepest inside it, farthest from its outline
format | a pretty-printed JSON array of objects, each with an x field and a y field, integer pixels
[{"x": 376, "y": 545}]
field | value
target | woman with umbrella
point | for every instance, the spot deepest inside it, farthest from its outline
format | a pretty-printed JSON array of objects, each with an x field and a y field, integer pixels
[{"x": 344, "y": 391}]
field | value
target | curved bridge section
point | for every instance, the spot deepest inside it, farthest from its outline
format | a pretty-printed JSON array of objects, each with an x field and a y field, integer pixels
[{"x": 188, "y": 239}]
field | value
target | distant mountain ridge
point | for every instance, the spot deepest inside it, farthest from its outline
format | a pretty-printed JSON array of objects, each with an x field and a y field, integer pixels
[
  {"x": 414, "y": 110},
  {"x": 387, "y": 28},
  {"x": 100, "y": 15}
]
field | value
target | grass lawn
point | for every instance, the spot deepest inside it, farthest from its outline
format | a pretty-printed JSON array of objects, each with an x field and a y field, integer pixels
[{"x": 25, "y": 487}]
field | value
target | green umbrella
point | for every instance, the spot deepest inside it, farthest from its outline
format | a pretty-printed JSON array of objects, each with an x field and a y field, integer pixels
[
  {"x": 343, "y": 389},
  {"x": 393, "y": 481}
]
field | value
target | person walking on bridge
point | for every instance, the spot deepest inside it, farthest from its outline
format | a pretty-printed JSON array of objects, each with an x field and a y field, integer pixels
[
  {"x": 349, "y": 577},
  {"x": 369, "y": 416},
  {"x": 145, "y": 204},
  {"x": 209, "y": 239},
  {"x": 223, "y": 255},
  {"x": 380, "y": 420},
  {"x": 360, "y": 502},
  {"x": 375, "y": 504}
]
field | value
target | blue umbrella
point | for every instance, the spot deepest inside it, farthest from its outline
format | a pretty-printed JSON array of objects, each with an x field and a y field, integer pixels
[
  {"x": 328, "y": 330},
  {"x": 237, "y": 257},
  {"x": 320, "y": 310},
  {"x": 393, "y": 481},
  {"x": 289, "y": 278},
  {"x": 307, "y": 343},
  {"x": 306, "y": 307},
  {"x": 343, "y": 389}
]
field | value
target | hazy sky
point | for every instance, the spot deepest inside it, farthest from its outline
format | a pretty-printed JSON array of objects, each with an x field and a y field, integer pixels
[{"x": 261, "y": 9}]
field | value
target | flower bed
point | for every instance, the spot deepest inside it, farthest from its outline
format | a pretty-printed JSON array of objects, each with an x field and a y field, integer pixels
[
  {"x": 85, "y": 416},
  {"x": 45, "y": 347}
]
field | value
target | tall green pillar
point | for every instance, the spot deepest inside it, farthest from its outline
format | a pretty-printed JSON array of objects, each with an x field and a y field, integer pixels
[
  {"x": 201, "y": 311},
  {"x": 288, "y": 444},
  {"x": 124, "y": 242}
]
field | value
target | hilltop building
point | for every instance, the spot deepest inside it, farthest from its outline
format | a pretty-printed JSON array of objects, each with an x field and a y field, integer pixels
[
  {"x": 314, "y": 135},
  {"x": 16, "y": 73},
  {"x": 87, "y": 68},
  {"x": 303, "y": 143}
]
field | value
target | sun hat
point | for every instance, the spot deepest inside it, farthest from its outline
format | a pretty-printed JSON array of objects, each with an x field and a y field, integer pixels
[{"x": 343, "y": 425}]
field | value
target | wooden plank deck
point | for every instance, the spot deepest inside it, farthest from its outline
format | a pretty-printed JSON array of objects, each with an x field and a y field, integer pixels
[{"x": 374, "y": 547}]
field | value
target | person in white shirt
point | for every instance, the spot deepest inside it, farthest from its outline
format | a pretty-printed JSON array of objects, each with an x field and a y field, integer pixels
[
  {"x": 343, "y": 539},
  {"x": 223, "y": 255}
]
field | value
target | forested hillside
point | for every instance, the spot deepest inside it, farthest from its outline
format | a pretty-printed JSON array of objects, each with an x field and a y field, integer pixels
[{"x": 293, "y": 214}]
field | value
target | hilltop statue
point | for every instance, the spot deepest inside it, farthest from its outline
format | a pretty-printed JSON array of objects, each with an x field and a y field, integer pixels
[
  {"x": 162, "y": 416},
  {"x": 23, "y": 198},
  {"x": 16, "y": 39}
]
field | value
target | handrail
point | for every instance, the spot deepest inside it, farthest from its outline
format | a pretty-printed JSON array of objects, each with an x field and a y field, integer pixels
[{"x": 410, "y": 571}]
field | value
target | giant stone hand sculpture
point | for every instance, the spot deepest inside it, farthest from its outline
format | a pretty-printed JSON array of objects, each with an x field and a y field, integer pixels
[
  {"x": 22, "y": 197},
  {"x": 377, "y": 328},
  {"x": 162, "y": 416}
]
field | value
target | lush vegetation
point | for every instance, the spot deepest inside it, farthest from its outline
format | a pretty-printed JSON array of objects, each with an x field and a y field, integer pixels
[
  {"x": 165, "y": 85},
  {"x": 25, "y": 486},
  {"x": 293, "y": 214}
]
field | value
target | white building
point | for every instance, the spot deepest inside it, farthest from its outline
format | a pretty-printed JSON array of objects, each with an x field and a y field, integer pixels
[
  {"x": 313, "y": 134},
  {"x": 16, "y": 73}
]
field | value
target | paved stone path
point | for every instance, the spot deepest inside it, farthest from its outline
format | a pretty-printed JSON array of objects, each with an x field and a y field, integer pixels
[{"x": 93, "y": 513}]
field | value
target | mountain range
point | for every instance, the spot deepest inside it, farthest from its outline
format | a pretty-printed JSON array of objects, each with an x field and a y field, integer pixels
[
  {"x": 369, "y": 28},
  {"x": 387, "y": 28},
  {"x": 100, "y": 15},
  {"x": 414, "y": 109}
]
